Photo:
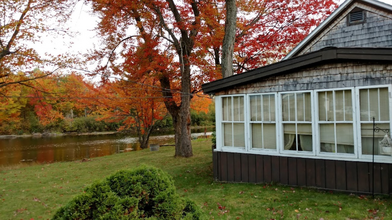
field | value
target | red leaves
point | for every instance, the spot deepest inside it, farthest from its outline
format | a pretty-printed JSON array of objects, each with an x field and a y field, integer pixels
[{"x": 220, "y": 206}]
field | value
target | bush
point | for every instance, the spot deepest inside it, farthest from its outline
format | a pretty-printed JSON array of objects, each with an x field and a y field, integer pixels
[{"x": 146, "y": 193}]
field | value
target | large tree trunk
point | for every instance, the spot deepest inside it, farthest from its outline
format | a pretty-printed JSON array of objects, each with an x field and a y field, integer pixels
[
  {"x": 184, "y": 123},
  {"x": 229, "y": 39},
  {"x": 180, "y": 115},
  {"x": 182, "y": 136}
]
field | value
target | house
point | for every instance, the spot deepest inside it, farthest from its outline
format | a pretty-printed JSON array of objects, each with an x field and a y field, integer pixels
[{"x": 312, "y": 118}]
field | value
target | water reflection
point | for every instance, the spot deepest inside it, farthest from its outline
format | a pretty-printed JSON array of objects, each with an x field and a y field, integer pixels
[
  {"x": 63, "y": 148},
  {"x": 68, "y": 148}
]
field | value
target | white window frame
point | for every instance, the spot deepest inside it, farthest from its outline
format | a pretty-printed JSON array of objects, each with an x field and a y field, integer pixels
[
  {"x": 250, "y": 122},
  {"x": 317, "y": 125},
  {"x": 280, "y": 123},
  {"x": 219, "y": 124},
  {"x": 378, "y": 158}
]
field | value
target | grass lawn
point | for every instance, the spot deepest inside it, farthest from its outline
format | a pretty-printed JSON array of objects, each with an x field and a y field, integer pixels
[{"x": 36, "y": 192}]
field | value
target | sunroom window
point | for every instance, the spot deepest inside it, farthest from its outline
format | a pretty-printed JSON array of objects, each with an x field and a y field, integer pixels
[
  {"x": 262, "y": 121},
  {"x": 297, "y": 121},
  {"x": 233, "y": 114},
  {"x": 336, "y": 131},
  {"x": 374, "y": 103}
]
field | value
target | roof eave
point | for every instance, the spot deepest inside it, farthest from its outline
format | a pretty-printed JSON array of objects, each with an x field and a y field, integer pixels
[{"x": 303, "y": 61}]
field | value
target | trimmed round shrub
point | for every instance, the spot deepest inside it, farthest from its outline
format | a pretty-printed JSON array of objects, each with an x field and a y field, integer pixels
[{"x": 143, "y": 193}]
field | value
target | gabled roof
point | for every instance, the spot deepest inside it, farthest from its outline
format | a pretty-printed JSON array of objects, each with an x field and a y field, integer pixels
[
  {"x": 326, "y": 55},
  {"x": 327, "y": 22}
]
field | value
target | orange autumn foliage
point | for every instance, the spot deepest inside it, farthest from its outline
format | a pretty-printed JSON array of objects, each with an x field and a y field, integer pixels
[{"x": 201, "y": 103}]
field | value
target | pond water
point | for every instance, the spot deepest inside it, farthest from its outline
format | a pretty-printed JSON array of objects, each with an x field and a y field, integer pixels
[{"x": 32, "y": 150}]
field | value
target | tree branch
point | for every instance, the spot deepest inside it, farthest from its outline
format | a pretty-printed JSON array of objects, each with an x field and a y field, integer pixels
[{"x": 27, "y": 80}]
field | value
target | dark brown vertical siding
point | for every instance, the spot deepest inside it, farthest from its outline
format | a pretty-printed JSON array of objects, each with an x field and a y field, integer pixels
[
  {"x": 364, "y": 176},
  {"x": 330, "y": 174},
  {"x": 292, "y": 167},
  {"x": 252, "y": 168},
  {"x": 301, "y": 172},
  {"x": 326, "y": 174},
  {"x": 275, "y": 165},
  {"x": 377, "y": 178},
  {"x": 215, "y": 165},
  {"x": 224, "y": 167},
  {"x": 390, "y": 179},
  {"x": 244, "y": 168},
  {"x": 267, "y": 169},
  {"x": 384, "y": 178},
  {"x": 283, "y": 170},
  {"x": 310, "y": 172},
  {"x": 320, "y": 173},
  {"x": 230, "y": 165},
  {"x": 237, "y": 168},
  {"x": 352, "y": 176},
  {"x": 341, "y": 177},
  {"x": 260, "y": 168}
]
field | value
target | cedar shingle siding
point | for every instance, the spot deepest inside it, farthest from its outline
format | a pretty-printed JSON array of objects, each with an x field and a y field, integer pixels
[
  {"x": 376, "y": 31},
  {"x": 328, "y": 76}
]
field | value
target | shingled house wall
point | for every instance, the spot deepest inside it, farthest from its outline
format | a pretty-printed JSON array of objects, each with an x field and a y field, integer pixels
[
  {"x": 375, "y": 32},
  {"x": 328, "y": 76}
]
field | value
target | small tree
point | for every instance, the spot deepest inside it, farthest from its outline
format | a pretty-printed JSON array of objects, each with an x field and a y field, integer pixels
[{"x": 135, "y": 105}]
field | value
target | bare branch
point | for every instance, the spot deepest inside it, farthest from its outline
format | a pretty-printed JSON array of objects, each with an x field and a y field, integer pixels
[
  {"x": 27, "y": 80},
  {"x": 112, "y": 52}
]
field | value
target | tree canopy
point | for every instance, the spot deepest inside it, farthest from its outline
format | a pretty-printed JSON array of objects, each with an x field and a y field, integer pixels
[
  {"x": 179, "y": 43},
  {"x": 22, "y": 24}
]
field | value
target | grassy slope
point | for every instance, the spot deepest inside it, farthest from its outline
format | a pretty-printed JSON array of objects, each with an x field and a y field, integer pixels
[{"x": 37, "y": 191}]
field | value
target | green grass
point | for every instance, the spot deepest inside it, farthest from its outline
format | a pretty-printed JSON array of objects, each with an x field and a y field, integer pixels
[{"x": 36, "y": 192}]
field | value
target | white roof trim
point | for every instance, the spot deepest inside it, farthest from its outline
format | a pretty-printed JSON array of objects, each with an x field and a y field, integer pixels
[{"x": 330, "y": 18}]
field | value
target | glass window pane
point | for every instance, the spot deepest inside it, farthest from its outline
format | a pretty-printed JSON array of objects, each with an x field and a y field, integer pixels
[
  {"x": 292, "y": 105},
  {"x": 226, "y": 108},
  {"x": 256, "y": 136},
  {"x": 272, "y": 107},
  {"x": 322, "y": 102},
  {"x": 304, "y": 129},
  {"x": 384, "y": 104},
  {"x": 238, "y": 105},
  {"x": 304, "y": 132},
  {"x": 288, "y": 106},
  {"x": 254, "y": 107},
  {"x": 344, "y": 134},
  {"x": 266, "y": 108},
  {"x": 380, "y": 144},
  {"x": 348, "y": 105},
  {"x": 373, "y": 102},
  {"x": 227, "y": 134},
  {"x": 345, "y": 138},
  {"x": 269, "y": 135},
  {"x": 329, "y": 103},
  {"x": 289, "y": 137},
  {"x": 308, "y": 107},
  {"x": 285, "y": 107},
  {"x": 239, "y": 134},
  {"x": 305, "y": 141},
  {"x": 327, "y": 138},
  {"x": 339, "y": 106},
  {"x": 300, "y": 107},
  {"x": 364, "y": 105}
]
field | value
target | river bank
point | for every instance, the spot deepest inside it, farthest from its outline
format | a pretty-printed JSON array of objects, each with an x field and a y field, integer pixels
[
  {"x": 39, "y": 135},
  {"x": 164, "y": 131}
]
